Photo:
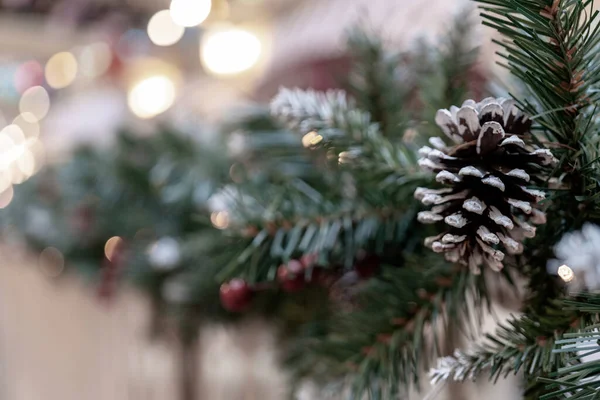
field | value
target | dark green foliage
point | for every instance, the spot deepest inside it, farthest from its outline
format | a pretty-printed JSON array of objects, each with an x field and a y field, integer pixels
[{"x": 577, "y": 378}]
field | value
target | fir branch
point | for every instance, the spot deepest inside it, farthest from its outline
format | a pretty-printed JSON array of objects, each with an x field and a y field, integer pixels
[
  {"x": 521, "y": 344},
  {"x": 579, "y": 377},
  {"x": 396, "y": 328},
  {"x": 332, "y": 115},
  {"x": 452, "y": 74},
  {"x": 379, "y": 82},
  {"x": 552, "y": 47},
  {"x": 313, "y": 226}
]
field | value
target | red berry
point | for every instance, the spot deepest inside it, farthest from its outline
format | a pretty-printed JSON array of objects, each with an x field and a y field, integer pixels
[
  {"x": 309, "y": 260},
  {"x": 368, "y": 266},
  {"x": 235, "y": 295},
  {"x": 291, "y": 276}
]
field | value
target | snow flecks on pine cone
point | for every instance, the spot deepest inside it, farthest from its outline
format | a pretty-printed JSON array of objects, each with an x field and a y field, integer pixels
[{"x": 486, "y": 206}]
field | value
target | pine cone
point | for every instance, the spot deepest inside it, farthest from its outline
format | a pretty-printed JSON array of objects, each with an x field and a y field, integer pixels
[{"x": 487, "y": 206}]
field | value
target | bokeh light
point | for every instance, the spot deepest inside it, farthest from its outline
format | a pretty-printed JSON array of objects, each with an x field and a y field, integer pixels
[
  {"x": 230, "y": 51},
  {"x": 28, "y": 125},
  {"x": 39, "y": 153},
  {"x": 95, "y": 59},
  {"x": 220, "y": 219},
  {"x": 6, "y": 197},
  {"x": 152, "y": 96},
  {"x": 312, "y": 138},
  {"x": 61, "y": 70},
  {"x": 190, "y": 12},
  {"x": 51, "y": 262},
  {"x": 5, "y": 180},
  {"x": 566, "y": 273},
  {"x": 29, "y": 74},
  {"x": 34, "y": 104},
  {"x": 162, "y": 30},
  {"x": 26, "y": 163},
  {"x": 112, "y": 247}
]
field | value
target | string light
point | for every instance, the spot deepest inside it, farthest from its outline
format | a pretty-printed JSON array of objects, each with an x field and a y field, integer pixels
[
  {"x": 566, "y": 273},
  {"x": 95, "y": 59},
  {"x": 220, "y": 219},
  {"x": 26, "y": 163},
  {"x": 5, "y": 181},
  {"x": 162, "y": 30},
  {"x": 190, "y": 12},
  {"x": 30, "y": 73},
  {"x": 152, "y": 96},
  {"x": 230, "y": 51},
  {"x": 34, "y": 104},
  {"x": 61, "y": 70},
  {"x": 112, "y": 246},
  {"x": 6, "y": 197},
  {"x": 312, "y": 138},
  {"x": 27, "y": 122}
]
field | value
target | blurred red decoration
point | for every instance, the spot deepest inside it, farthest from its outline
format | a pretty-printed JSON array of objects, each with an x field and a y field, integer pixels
[
  {"x": 291, "y": 276},
  {"x": 367, "y": 266},
  {"x": 28, "y": 74},
  {"x": 235, "y": 295},
  {"x": 309, "y": 260}
]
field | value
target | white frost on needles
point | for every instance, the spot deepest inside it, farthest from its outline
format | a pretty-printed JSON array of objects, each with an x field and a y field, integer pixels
[
  {"x": 580, "y": 251},
  {"x": 309, "y": 109},
  {"x": 456, "y": 368}
]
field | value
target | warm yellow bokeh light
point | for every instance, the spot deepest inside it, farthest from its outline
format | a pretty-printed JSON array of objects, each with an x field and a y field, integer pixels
[
  {"x": 51, "y": 262},
  {"x": 61, "y": 70},
  {"x": 162, "y": 30},
  {"x": 27, "y": 122},
  {"x": 190, "y": 12},
  {"x": 15, "y": 133},
  {"x": 34, "y": 104},
  {"x": 12, "y": 146},
  {"x": 95, "y": 59},
  {"x": 152, "y": 96},
  {"x": 6, "y": 197},
  {"x": 230, "y": 51},
  {"x": 220, "y": 219},
  {"x": 112, "y": 246},
  {"x": 26, "y": 163},
  {"x": 566, "y": 273},
  {"x": 5, "y": 180},
  {"x": 312, "y": 138},
  {"x": 39, "y": 153}
]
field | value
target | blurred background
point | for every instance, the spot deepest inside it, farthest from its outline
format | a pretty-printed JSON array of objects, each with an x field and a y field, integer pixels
[{"x": 77, "y": 72}]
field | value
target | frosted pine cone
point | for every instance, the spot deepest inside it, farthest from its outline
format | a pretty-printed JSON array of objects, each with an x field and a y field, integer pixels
[{"x": 487, "y": 206}]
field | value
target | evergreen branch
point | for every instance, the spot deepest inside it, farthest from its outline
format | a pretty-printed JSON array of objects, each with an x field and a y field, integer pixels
[
  {"x": 552, "y": 47},
  {"x": 334, "y": 232},
  {"x": 332, "y": 115},
  {"x": 453, "y": 74},
  {"x": 579, "y": 377},
  {"x": 395, "y": 328},
  {"x": 379, "y": 83},
  {"x": 521, "y": 344}
]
